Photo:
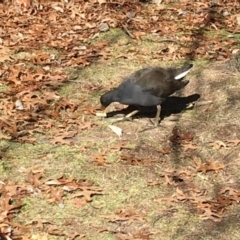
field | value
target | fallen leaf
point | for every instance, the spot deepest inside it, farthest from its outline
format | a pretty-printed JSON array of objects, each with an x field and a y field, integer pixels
[
  {"x": 218, "y": 144},
  {"x": 116, "y": 130},
  {"x": 235, "y": 142},
  {"x": 180, "y": 136},
  {"x": 99, "y": 160},
  {"x": 208, "y": 166}
]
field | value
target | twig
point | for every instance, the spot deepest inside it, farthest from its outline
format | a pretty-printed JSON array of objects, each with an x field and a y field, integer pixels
[
  {"x": 72, "y": 79},
  {"x": 202, "y": 103},
  {"x": 197, "y": 104},
  {"x": 169, "y": 40},
  {"x": 128, "y": 32},
  {"x": 165, "y": 40},
  {"x": 159, "y": 216}
]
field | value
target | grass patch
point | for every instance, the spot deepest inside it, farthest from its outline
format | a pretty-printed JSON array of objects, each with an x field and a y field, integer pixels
[
  {"x": 113, "y": 36},
  {"x": 3, "y": 88},
  {"x": 126, "y": 185}
]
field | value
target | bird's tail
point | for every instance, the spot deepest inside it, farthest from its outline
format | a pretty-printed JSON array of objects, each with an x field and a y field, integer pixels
[{"x": 182, "y": 72}]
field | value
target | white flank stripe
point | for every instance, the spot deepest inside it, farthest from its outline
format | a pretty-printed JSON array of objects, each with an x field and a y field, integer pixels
[{"x": 181, "y": 75}]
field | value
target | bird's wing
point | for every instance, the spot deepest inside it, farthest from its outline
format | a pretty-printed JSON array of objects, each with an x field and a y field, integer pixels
[
  {"x": 153, "y": 80},
  {"x": 157, "y": 81}
]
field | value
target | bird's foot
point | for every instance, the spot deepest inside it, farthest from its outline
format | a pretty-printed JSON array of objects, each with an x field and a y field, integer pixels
[{"x": 152, "y": 125}]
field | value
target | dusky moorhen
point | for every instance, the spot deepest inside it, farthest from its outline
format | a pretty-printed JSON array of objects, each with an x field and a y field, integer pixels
[{"x": 147, "y": 87}]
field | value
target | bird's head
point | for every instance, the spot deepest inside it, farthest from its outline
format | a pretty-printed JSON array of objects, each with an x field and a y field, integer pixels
[{"x": 106, "y": 100}]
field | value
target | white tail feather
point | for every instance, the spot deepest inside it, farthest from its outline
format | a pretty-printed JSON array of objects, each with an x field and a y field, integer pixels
[{"x": 181, "y": 75}]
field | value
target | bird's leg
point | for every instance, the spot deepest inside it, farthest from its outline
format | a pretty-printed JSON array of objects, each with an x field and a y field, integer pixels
[
  {"x": 128, "y": 116},
  {"x": 157, "y": 118},
  {"x": 158, "y": 115}
]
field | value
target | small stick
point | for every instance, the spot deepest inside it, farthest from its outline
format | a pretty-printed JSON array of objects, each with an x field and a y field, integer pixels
[
  {"x": 128, "y": 32},
  {"x": 165, "y": 40},
  {"x": 197, "y": 104},
  {"x": 169, "y": 40},
  {"x": 202, "y": 103}
]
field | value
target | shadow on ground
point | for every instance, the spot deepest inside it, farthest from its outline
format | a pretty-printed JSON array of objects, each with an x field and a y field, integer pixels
[{"x": 172, "y": 105}]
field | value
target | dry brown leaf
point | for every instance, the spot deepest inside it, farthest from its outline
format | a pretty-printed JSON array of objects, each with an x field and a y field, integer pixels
[
  {"x": 79, "y": 202},
  {"x": 209, "y": 214},
  {"x": 189, "y": 146},
  {"x": 39, "y": 236},
  {"x": 5, "y": 54},
  {"x": 99, "y": 160},
  {"x": 87, "y": 192},
  {"x": 65, "y": 138},
  {"x": 55, "y": 195},
  {"x": 209, "y": 166},
  {"x": 235, "y": 142},
  {"x": 180, "y": 136},
  {"x": 231, "y": 193},
  {"x": 218, "y": 144},
  {"x": 34, "y": 178},
  {"x": 128, "y": 215}
]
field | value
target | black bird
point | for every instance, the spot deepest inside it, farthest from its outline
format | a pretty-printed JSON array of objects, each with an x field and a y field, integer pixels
[{"x": 147, "y": 87}]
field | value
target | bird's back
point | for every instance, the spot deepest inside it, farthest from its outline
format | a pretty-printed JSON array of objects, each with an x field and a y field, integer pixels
[
  {"x": 158, "y": 81},
  {"x": 149, "y": 86},
  {"x": 133, "y": 92}
]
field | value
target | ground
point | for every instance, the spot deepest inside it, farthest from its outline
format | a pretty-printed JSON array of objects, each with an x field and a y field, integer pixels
[{"x": 66, "y": 175}]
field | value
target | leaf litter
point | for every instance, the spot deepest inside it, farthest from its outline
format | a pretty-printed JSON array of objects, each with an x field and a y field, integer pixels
[
  {"x": 56, "y": 191},
  {"x": 30, "y": 105}
]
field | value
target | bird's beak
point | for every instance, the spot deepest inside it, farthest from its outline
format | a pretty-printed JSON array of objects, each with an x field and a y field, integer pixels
[{"x": 102, "y": 113}]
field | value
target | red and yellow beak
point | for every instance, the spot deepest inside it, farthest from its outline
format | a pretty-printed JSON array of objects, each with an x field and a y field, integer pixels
[{"x": 102, "y": 112}]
